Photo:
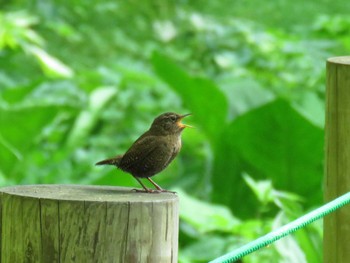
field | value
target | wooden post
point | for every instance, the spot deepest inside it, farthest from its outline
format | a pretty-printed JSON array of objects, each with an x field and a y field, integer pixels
[
  {"x": 67, "y": 223},
  {"x": 337, "y": 169}
]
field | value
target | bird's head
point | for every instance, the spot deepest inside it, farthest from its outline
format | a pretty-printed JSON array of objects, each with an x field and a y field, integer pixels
[{"x": 169, "y": 123}]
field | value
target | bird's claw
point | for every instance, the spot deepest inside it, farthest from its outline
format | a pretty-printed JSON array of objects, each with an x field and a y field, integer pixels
[
  {"x": 166, "y": 191},
  {"x": 153, "y": 191}
]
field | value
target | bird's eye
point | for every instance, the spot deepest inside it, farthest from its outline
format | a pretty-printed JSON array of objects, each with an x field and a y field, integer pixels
[{"x": 173, "y": 118}]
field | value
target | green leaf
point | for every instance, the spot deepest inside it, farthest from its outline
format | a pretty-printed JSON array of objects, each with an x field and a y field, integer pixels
[
  {"x": 290, "y": 251},
  {"x": 207, "y": 103},
  {"x": 262, "y": 189},
  {"x": 18, "y": 94},
  {"x": 312, "y": 108},
  {"x": 310, "y": 240},
  {"x": 18, "y": 133},
  {"x": 244, "y": 94},
  {"x": 271, "y": 142},
  {"x": 206, "y": 248},
  {"x": 88, "y": 117},
  {"x": 205, "y": 217},
  {"x": 51, "y": 65}
]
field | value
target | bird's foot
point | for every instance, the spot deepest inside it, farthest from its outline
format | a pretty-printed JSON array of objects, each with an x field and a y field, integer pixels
[
  {"x": 153, "y": 191},
  {"x": 166, "y": 191}
]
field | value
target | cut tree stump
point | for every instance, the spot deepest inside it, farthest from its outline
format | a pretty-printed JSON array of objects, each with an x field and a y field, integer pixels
[{"x": 71, "y": 223}]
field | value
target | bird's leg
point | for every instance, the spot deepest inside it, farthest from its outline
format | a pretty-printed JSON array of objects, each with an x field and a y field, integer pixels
[
  {"x": 147, "y": 190},
  {"x": 154, "y": 183},
  {"x": 158, "y": 187}
]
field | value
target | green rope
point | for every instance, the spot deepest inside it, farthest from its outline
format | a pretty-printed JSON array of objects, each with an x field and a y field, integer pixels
[{"x": 284, "y": 230}]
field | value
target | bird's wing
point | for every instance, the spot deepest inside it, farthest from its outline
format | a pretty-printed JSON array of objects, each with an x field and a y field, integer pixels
[
  {"x": 138, "y": 151},
  {"x": 146, "y": 157}
]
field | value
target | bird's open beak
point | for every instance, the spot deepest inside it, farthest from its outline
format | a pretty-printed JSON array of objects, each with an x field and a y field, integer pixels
[{"x": 184, "y": 125}]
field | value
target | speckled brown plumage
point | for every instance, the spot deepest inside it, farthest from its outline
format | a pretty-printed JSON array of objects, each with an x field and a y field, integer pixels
[{"x": 153, "y": 151}]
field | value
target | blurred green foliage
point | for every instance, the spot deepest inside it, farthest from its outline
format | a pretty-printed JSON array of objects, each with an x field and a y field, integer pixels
[{"x": 81, "y": 80}]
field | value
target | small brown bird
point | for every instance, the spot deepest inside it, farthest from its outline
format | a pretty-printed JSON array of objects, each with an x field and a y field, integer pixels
[{"x": 153, "y": 151}]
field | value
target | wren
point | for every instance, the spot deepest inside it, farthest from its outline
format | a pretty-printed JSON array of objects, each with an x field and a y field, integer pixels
[{"x": 153, "y": 151}]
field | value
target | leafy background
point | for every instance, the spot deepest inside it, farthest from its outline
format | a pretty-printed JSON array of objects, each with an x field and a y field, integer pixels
[{"x": 81, "y": 80}]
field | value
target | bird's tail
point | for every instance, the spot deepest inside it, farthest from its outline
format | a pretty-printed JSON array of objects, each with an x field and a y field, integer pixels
[{"x": 112, "y": 161}]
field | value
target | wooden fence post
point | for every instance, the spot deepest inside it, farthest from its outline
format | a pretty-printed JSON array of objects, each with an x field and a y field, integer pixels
[
  {"x": 66, "y": 223},
  {"x": 337, "y": 167}
]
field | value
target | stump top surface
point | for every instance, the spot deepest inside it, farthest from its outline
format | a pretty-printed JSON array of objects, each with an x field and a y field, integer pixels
[
  {"x": 86, "y": 193},
  {"x": 345, "y": 60}
]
